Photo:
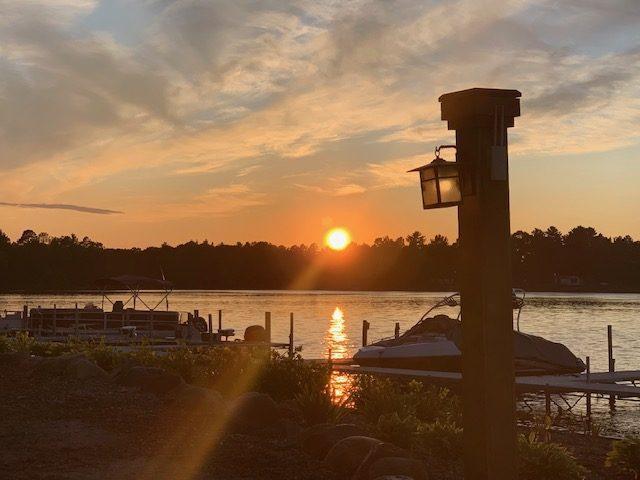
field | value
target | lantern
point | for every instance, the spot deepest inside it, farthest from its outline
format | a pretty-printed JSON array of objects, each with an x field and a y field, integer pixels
[{"x": 440, "y": 182}]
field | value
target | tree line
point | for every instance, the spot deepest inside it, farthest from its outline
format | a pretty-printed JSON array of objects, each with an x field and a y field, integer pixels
[{"x": 542, "y": 260}]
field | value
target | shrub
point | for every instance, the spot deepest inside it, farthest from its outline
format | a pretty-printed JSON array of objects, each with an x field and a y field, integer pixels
[
  {"x": 374, "y": 397},
  {"x": 625, "y": 456},
  {"x": 397, "y": 430},
  {"x": 316, "y": 405},
  {"x": 539, "y": 460},
  {"x": 284, "y": 378},
  {"x": 440, "y": 443},
  {"x": 432, "y": 403}
]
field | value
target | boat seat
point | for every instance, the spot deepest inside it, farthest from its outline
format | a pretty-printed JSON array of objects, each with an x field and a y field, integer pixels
[{"x": 226, "y": 333}]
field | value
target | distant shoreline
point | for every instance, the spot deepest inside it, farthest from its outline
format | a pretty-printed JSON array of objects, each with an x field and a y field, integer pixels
[{"x": 291, "y": 290}]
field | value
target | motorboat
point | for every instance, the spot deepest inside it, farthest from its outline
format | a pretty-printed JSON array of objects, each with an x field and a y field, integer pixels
[{"x": 434, "y": 343}]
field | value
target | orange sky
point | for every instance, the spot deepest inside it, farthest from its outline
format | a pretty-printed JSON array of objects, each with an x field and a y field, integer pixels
[{"x": 138, "y": 123}]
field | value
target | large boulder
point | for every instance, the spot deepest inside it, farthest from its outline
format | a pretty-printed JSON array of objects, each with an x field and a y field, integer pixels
[
  {"x": 74, "y": 366},
  {"x": 254, "y": 411},
  {"x": 84, "y": 369},
  {"x": 191, "y": 396},
  {"x": 397, "y": 467},
  {"x": 346, "y": 456},
  {"x": 149, "y": 379},
  {"x": 318, "y": 439},
  {"x": 15, "y": 359}
]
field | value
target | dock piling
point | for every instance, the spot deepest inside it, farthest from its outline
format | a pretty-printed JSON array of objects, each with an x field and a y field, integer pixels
[
  {"x": 219, "y": 320},
  {"x": 25, "y": 316},
  {"x": 547, "y": 402},
  {"x": 396, "y": 332},
  {"x": 210, "y": 328},
  {"x": 267, "y": 326},
  {"x": 365, "y": 331},
  {"x": 291, "y": 335},
  {"x": 612, "y": 363},
  {"x": 588, "y": 395}
]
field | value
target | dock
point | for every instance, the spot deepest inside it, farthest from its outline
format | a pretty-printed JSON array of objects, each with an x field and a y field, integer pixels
[{"x": 603, "y": 383}]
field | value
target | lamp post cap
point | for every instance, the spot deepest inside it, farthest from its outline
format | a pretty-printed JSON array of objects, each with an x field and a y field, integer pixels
[
  {"x": 478, "y": 107},
  {"x": 480, "y": 92}
]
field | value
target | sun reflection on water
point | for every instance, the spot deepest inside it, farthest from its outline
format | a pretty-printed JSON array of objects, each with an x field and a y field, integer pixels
[{"x": 337, "y": 343}]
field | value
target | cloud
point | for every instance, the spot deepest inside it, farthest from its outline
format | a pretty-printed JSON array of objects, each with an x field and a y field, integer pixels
[
  {"x": 209, "y": 87},
  {"x": 62, "y": 206}
]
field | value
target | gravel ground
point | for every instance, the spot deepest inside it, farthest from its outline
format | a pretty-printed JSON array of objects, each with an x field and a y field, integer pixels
[{"x": 56, "y": 429}]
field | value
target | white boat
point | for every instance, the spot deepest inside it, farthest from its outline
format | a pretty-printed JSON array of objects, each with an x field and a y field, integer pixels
[{"x": 434, "y": 344}]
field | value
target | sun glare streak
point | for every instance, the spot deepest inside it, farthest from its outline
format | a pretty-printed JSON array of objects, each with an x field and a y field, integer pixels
[
  {"x": 337, "y": 239},
  {"x": 211, "y": 426},
  {"x": 337, "y": 343}
]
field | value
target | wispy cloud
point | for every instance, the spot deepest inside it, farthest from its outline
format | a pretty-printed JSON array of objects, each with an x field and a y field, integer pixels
[{"x": 62, "y": 206}]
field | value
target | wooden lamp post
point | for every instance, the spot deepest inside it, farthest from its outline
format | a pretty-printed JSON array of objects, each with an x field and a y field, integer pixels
[{"x": 480, "y": 118}]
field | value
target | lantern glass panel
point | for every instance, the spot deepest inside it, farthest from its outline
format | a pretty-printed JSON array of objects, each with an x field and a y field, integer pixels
[
  {"x": 447, "y": 170},
  {"x": 450, "y": 190},
  {"x": 429, "y": 193},
  {"x": 427, "y": 173}
]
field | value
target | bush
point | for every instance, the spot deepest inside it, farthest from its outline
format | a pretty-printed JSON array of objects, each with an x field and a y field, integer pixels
[
  {"x": 539, "y": 461},
  {"x": 440, "y": 443},
  {"x": 397, "y": 430},
  {"x": 625, "y": 456},
  {"x": 432, "y": 403},
  {"x": 316, "y": 405},
  {"x": 374, "y": 397}
]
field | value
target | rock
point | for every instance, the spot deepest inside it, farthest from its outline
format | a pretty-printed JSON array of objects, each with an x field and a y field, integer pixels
[
  {"x": 149, "y": 379},
  {"x": 346, "y": 456},
  {"x": 382, "y": 451},
  {"x": 83, "y": 369},
  {"x": 74, "y": 366},
  {"x": 56, "y": 365},
  {"x": 318, "y": 439},
  {"x": 398, "y": 467},
  {"x": 14, "y": 359},
  {"x": 394, "y": 477},
  {"x": 192, "y": 396},
  {"x": 254, "y": 411}
]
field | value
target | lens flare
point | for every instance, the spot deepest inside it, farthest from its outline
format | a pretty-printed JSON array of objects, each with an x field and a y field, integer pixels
[{"x": 337, "y": 239}]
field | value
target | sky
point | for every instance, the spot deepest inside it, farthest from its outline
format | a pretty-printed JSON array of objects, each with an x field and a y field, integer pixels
[{"x": 149, "y": 121}]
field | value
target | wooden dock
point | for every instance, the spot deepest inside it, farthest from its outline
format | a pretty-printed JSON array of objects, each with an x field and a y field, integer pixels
[{"x": 603, "y": 383}]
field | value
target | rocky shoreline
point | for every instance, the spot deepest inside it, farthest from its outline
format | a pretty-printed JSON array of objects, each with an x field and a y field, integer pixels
[{"x": 65, "y": 418}]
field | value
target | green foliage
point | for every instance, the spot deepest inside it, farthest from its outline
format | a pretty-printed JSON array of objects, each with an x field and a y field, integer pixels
[
  {"x": 285, "y": 377},
  {"x": 541, "y": 460},
  {"x": 625, "y": 455},
  {"x": 397, "y": 430},
  {"x": 6, "y": 345},
  {"x": 23, "y": 343},
  {"x": 316, "y": 405},
  {"x": 433, "y": 403},
  {"x": 374, "y": 397},
  {"x": 440, "y": 443}
]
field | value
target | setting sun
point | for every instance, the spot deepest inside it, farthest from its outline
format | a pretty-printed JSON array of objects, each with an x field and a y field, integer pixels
[{"x": 337, "y": 239}]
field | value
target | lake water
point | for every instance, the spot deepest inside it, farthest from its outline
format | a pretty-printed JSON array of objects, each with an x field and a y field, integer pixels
[{"x": 333, "y": 320}]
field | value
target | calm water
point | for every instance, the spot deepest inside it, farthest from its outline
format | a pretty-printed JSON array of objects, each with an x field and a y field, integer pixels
[{"x": 333, "y": 320}]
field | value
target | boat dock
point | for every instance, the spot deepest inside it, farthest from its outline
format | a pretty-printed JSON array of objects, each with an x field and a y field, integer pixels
[
  {"x": 604, "y": 383},
  {"x": 622, "y": 385}
]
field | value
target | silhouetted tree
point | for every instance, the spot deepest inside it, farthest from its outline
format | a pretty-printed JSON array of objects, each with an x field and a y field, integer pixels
[{"x": 540, "y": 260}]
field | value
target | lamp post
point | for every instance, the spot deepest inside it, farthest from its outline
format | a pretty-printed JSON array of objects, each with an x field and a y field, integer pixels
[{"x": 480, "y": 118}]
